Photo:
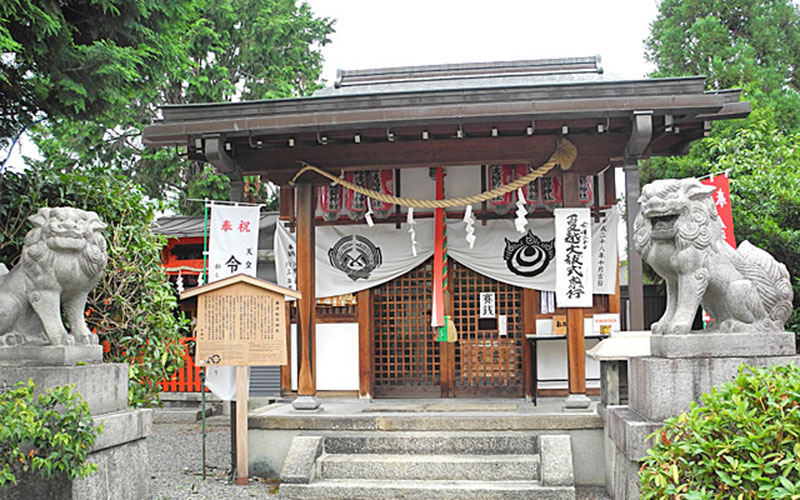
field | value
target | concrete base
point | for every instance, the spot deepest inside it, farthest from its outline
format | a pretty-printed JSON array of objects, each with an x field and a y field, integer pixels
[
  {"x": 104, "y": 387},
  {"x": 50, "y": 355},
  {"x": 120, "y": 451},
  {"x": 664, "y": 386},
  {"x": 577, "y": 402},
  {"x": 723, "y": 345},
  {"x": 305, "y": 403}
]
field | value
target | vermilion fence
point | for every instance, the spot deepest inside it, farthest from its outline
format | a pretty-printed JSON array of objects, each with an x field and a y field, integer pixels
[{"x": 187, "y": 378}]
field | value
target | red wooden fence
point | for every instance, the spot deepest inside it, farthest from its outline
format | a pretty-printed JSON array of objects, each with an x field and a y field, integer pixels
[{"x": 186, "y": 378}]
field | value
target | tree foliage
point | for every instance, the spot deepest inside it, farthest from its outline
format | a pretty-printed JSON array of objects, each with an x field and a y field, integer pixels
[
  {"x": 754, "y": 45},
  {"x": 48, "y": 434},
  {"x": 133, "y": 309},
  {"x": 730, "y": 41},
  {"x": 83, "y": 59},
  {"x": 230, "y": 50}
]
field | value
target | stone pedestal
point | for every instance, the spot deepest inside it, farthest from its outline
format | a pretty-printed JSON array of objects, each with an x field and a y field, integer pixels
[
  {"x": 120, "y": 451},
  {"x": 681, "y": 368}
]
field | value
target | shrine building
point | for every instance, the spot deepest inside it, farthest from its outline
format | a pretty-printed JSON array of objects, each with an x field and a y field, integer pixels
[{"x": 373, "y": 272}]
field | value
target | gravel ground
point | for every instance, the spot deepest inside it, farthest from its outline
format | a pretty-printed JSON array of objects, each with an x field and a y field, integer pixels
[
  {"x": 175, "y": 458},
  {"x": 176, "y": 470}
]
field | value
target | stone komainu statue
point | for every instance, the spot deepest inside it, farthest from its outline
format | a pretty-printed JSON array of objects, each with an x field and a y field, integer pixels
[
  {"x": 63, "y": 258},
  {"x": 679, "y": 234}
]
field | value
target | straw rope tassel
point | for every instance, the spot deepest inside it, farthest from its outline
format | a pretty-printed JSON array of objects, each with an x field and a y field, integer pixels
[{"x": 563, "y": 156}]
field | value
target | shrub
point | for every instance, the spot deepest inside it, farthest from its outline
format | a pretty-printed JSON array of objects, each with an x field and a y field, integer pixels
[
  {"x": 741, "y": 443},
  {"x": 50, "y": 434},
  {"x": 133, "y": 308}
]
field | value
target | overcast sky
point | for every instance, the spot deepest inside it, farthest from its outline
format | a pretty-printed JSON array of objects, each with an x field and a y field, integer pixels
[{"x": 379, "y": 33}]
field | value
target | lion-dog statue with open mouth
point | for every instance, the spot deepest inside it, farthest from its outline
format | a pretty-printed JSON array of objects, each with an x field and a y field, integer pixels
[
  {"x": 63, "y": 258},
  {"x": 678, "y": 232}
]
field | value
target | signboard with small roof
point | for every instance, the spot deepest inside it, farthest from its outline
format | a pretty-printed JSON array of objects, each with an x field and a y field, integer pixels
[{"x": 241, "y": 321}]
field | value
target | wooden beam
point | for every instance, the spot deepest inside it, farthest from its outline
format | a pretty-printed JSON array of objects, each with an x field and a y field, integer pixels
[
  {"x": 306, "y": 275},
  {"x": 281, "y": 163},
  {"x": 365, "y": 344}
]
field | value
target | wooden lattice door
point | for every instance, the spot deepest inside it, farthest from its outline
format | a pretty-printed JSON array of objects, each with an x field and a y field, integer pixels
[
  {"x": 486, "y": 364},
  {"x": 407, "y": 356}
]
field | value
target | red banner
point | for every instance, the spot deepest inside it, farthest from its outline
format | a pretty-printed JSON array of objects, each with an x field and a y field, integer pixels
[{"x": 722, "y": 200}]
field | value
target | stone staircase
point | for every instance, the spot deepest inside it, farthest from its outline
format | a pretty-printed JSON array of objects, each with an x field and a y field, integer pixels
[{"x": 429, "y": 465}]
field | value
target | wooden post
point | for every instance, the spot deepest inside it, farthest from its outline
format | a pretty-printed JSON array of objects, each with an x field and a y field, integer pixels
[
  {"x": 241, "y": 425},
  {"x": 365, "y": 344},
  {"x": 286, "y": 370},
  {"x": 529, "y": 301},
  {"x": 306, "y": 306},
  {"x": 576, "y": 344}
]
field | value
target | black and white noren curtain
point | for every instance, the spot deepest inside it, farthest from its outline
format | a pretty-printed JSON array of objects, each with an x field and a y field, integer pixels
[{"x": 353, "y": 258}]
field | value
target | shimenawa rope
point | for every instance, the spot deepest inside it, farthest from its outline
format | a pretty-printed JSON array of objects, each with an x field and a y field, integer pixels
[{"x": 564, "y": 156}]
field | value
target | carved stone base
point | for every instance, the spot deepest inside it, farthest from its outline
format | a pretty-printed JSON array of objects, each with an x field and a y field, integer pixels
[
  {"x": 722, "y": 345},
  {"x": 306, "y": 403},
  {"x": 50, "y": 355}
]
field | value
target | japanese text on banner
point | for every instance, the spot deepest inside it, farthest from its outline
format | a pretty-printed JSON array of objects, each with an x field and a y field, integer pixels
[
  {"x": 233, "y": 241},
  {"x": 573, "y": 257}
]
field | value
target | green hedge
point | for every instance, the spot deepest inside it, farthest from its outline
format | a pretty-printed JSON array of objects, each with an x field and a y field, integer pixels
[{"x": 741, "y": 442}]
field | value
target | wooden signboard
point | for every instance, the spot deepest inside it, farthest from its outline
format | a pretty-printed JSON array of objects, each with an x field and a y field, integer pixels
[
  {"x": 241, "y": 321},
  {"x": 560, "y": 325}
]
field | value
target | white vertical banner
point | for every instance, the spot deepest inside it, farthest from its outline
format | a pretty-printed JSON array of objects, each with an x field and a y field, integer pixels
[
  {"x": 233, "y": 241},
  {"x": 232, "y": 249},
  {"x": 604, "y": 253},
  {"x": 573, "y": 240}
]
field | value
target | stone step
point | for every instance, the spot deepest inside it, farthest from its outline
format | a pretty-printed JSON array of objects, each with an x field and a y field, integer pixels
[
  {"x": 361, "y": 489},
  {"x": 434, "y": 443},
  {"x": 179, "y": 415},
  {"x": 429, "y": 467}
]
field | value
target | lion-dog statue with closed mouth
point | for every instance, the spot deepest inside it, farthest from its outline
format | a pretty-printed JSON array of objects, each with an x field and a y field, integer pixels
[
  {"x": 678, "y": 232},
  {"x": 63, "y": 258}
]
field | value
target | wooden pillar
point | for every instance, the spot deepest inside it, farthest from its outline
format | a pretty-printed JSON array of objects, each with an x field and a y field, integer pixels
[
  {"x": 448, "y": 349},
  {"x": 528, "y": 317},
  {"x": 576, "y": 344},
  {"x": 366, "y": 349},
  {"x": 306, "y": 305}
]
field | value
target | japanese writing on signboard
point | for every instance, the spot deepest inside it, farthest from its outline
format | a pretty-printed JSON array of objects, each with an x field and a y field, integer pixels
[
  {"x": 233, "y": 241},
  {"x": 487, "y": 305},
  {"x": 573, "y": 257},
  {"x": 241, "y": 325}
]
